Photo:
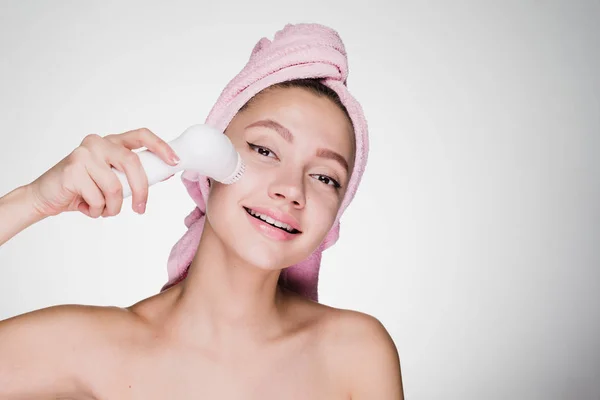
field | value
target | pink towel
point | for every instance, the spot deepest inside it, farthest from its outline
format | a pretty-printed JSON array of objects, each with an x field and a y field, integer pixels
[{"x": 297, "y": 51}]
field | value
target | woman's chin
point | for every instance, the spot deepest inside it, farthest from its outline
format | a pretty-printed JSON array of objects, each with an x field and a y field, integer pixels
[
  {"x": 266, "y": 262},
  {"x": 264, "y": 259}
]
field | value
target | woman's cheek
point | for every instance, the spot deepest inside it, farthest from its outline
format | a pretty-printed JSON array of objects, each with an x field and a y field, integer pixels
[
  {"x": 253, "y": 173},
  {"x": 322, "y": 206},
  {"x": 327, "y": 197}
]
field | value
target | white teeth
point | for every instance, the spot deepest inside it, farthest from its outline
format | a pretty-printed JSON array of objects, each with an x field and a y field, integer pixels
[{"x": 271, "y": 221}]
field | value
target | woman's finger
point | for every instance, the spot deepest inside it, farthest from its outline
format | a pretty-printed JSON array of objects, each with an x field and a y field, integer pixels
[
  {"x": 129, "y": 163},
  {"x": 143, "y": 137},
  {"x": 91, "y": 194},
  {"x": 108, "y": 183}
]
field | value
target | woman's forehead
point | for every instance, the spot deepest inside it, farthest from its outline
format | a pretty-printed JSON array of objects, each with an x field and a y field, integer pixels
[{"x": 301, "y": 112}]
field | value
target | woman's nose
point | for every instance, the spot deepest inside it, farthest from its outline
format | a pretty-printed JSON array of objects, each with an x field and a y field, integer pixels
[{"x": 290, "y": 189}]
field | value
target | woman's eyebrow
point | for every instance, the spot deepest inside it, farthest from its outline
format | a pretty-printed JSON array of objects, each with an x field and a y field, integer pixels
[
  {"x": 276, "y": 126},
  {"x": 287, "y": 135},
  {"x": 332, "y": 155}
]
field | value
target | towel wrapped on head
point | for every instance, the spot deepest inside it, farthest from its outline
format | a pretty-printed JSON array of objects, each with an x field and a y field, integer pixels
[{"x": 300, "y": 51}]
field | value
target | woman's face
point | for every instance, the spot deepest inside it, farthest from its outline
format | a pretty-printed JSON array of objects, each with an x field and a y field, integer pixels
[{"x": 299, "y": 151}]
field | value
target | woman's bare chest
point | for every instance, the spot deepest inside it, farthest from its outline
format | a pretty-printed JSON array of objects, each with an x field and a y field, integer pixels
[{"x": 286, "y": 373}]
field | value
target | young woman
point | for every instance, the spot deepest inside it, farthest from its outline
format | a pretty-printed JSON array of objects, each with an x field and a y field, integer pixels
[{"x": 229, "y": 327}]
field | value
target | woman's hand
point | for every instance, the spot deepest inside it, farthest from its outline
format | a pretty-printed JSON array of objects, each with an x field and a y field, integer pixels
[{"x": 83, "y": 181}]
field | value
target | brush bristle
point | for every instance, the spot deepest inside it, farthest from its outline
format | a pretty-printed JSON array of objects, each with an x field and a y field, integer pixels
[{"x": 241, "y": 168}]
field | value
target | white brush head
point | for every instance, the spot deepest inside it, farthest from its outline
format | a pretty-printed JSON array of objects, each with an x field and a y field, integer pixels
[
  {"x": 208, "y": 151},
  {"x": 237, "y": 173}
]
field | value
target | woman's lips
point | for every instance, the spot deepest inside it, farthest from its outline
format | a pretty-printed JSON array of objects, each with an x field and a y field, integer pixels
[
  {"x": 277, "y": 215},
  {"x": 270, "y": 231}
]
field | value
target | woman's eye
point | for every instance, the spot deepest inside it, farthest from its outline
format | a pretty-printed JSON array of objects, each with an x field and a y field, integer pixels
[
  {"x": 328, "y": 181},
  {"x": 263, "y": 151}
]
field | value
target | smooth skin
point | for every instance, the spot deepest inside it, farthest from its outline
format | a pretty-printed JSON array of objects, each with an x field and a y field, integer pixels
[{"x": 228, "y": 331}]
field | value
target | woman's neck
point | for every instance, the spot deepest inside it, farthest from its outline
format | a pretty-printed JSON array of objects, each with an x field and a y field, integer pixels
[{"x": 223, "y": 298}]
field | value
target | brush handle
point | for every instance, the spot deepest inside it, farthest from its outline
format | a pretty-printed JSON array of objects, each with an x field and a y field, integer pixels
[{"x": 156, "y": 170}]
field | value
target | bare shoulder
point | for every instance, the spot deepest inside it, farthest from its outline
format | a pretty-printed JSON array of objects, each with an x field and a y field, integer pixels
[
  {"x": 70, "y": 320},
  {"x": 70, "y": 340},
  {"x": 360, "y": 347}
]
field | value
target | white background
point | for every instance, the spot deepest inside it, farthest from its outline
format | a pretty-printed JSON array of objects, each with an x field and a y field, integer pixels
[{"x": 474, "y": 236}]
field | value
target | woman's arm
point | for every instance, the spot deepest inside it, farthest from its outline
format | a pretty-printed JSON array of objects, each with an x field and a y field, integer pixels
[{"x": 17, "y": 213}]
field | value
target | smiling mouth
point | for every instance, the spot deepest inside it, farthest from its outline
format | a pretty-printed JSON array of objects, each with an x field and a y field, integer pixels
[{"x": 274, "y": 223}]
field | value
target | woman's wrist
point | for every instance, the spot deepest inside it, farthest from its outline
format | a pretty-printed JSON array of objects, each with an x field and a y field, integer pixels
[{"x": 17, "y": 212}]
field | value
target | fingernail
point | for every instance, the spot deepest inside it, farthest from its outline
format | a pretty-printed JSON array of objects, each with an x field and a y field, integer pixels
[
  {"x": 175, "y": 159},
  {"x": 141, "y": 207}
]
